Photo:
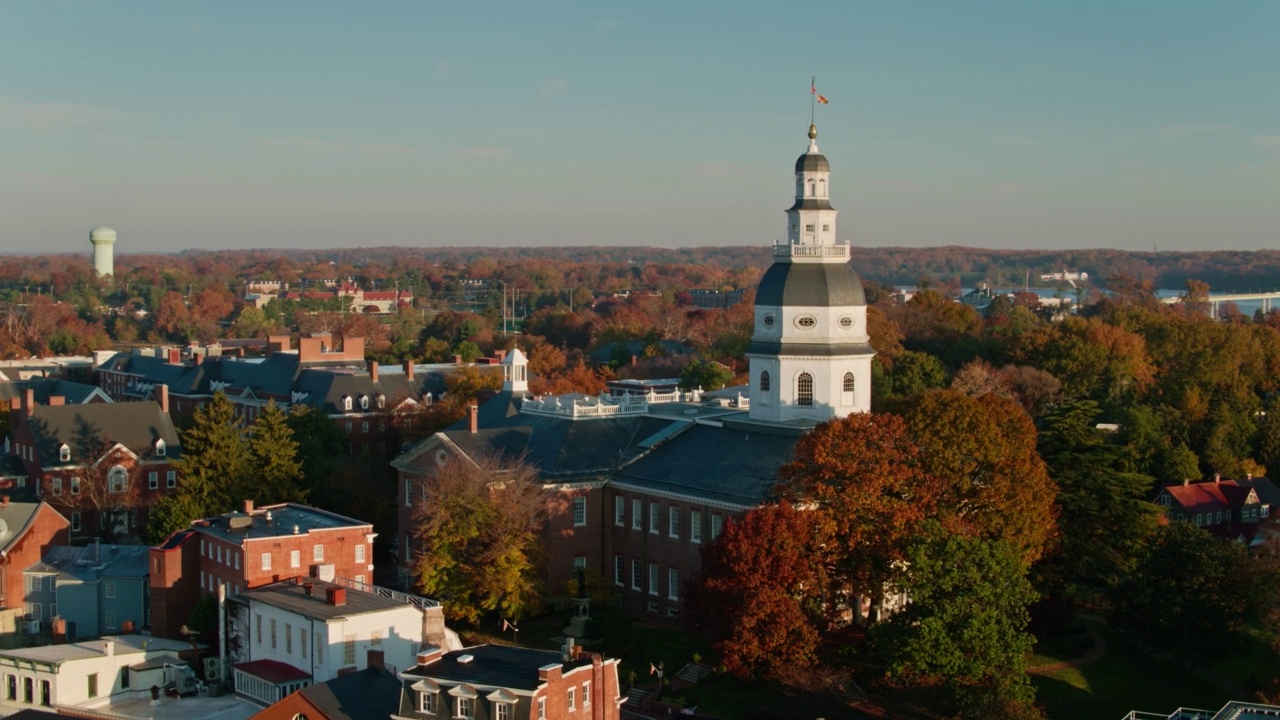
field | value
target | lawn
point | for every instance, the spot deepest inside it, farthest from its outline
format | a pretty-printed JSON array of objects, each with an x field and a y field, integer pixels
[{"x": 1125, "y": 679}]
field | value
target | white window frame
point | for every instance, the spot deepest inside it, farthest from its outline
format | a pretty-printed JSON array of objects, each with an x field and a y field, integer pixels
[
  {"x": 317, "y": 553},
  {"x": 573, "y": 699},
  {"x": 695, "y": 526},
  {"x": 427, "y": 703},
  {"x": 171, "y": 479},
  {"x": 653, "y": 578},
  {"x": 654, "y": 519},
  {"x": 580, "y": 511},
  {"x": 266, "y": 561},
  {"x": 637, "y": 511},
  {"x": 673, "y": 584},
  {"x": 360, "y": 552},
  {"x": 673, "y": 521},
  {"x": 295, "y": 558},
  {"x": 619, "y": 511}
]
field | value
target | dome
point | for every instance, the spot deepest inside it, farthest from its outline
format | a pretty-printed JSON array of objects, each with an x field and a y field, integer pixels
[
  {"x": 810, "y": 285},
  {"x": 812, "y": 162},
  {"x": 102, "y": 235}
]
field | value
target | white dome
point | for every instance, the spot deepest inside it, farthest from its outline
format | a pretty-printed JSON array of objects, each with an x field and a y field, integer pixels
[{"x": 102, "y": 235}]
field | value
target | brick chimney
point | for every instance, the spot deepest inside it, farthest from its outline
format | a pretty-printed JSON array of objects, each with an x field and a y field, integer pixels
[
  {"x": 28, "y": 402},
  {"x": 309, "y": 588},
  {"x": 376, "y": 661},
  {"x": 457, "y": 359},
  {"x": 248, "y": 507},
  {"x": 55, "y": 400},
  {"x": 336, "y": 596},
  {"x": 162, "y": 397},
  {"x": 501, "y": 355},
  {"x": 473, "y": 418},
  {"x": 175, "y": 356},
  {"x": 429, "y": 654},
  {"x": 408, "y": 369},
  {"x": 373, "y": 371}
]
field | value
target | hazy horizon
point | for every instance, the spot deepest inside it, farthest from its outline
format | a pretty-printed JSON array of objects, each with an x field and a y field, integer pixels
[{"x": 325, "y": 125}]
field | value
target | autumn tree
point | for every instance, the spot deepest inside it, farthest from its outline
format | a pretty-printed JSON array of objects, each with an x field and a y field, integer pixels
[
  {"x": 963, "y": 637},
  {"x": 993, "y": 484},
  {"x": 758, "y": 598},
  {"x": 478, "y": 526}
]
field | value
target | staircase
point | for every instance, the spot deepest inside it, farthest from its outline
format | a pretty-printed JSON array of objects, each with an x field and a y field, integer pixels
[
  {"x": 693, "y": 673},
  {"x": 636, "y": 695}
]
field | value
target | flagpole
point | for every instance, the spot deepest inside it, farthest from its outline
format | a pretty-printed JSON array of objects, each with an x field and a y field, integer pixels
[{"x": 813, "y": 95}]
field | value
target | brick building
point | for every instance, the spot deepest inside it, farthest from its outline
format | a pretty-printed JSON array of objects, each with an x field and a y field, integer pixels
[
  {"x": 370, "y": 694},
  {"x": 252, "y": 548},
  {"x": 497, "y": 682},
  {"x": 103, "y": 465},
  {"x": 27, "y": 531}
]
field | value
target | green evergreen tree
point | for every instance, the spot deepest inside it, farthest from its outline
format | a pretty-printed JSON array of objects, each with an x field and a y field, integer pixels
[
  {"x": 214, "y": 457},
  {"x": 320, "y": 444},
  {"x": 275, "y": 474}
]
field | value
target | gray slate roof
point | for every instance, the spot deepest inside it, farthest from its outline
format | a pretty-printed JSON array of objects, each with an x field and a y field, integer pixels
[
  {"x": 88, "y": 564},
  {"x": 43, "y": 388},
  {"x": 90, "y": 429},
  {"x": 495, "y": 665},
  {"x": 810, "y": 284},
  {"x": 369, "y": 694}
]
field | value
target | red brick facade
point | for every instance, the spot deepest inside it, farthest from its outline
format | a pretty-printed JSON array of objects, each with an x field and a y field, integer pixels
[{"x": 44, "y": 529}]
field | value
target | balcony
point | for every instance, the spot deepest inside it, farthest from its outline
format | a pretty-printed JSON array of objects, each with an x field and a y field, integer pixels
[{"x": 786, "y": 249}]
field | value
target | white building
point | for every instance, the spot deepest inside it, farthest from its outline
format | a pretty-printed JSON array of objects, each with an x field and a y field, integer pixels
[
  {"x": 289, "y": 635},
  {"x": 810, "y": 355},
  {"x": 84, "y": 674}
]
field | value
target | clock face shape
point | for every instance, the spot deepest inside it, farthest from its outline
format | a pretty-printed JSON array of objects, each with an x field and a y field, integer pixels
[
  {"x": 846, "y": 322},
  {"x": 806, "y": 321}
]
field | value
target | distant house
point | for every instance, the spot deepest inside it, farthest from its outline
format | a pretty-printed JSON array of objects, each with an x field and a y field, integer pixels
[
  {"x": 497, "y": 682},
  {"x": 1231, "y": 509},
  {"x": 371, "y": 694},
  {"x": 89, "y": 591}
]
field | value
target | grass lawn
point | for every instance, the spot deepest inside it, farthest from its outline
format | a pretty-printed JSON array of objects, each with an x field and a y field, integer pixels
[
  {"x": 1254, "y": 665},
  {"x": 1125, "y": 679}
]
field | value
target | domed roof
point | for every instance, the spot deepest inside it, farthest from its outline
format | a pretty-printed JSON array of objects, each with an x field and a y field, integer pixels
[
  {"x": 104, "y": 230},
  {"x": 812, "y": 162},
  {"x": 811, "y": 285}
]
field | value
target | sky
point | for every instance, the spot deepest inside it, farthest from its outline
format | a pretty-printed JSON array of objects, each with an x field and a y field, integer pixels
[{"x": 313, "y": 124}]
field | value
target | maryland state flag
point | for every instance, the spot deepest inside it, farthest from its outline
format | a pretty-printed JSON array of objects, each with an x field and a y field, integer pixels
[
  {"x": 506, "y": 626},
  {"x": 822, "y": 99}
]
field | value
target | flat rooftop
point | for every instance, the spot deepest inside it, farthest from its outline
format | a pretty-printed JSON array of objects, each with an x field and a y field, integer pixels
[{"x": 274, "y": 521}]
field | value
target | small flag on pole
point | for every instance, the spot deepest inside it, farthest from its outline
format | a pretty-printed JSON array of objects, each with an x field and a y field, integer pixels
[
  {"x": 822, "y": 99},
  {"x": 652, "y": 669},
  {"x": 505, "y": 626}
]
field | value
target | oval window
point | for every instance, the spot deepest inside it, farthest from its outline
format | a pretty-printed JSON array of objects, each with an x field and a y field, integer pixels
[
  {"x": 768, "y": 321},
  {"x": 846, "y": 322},
  {"x": 806, "y": 321}
]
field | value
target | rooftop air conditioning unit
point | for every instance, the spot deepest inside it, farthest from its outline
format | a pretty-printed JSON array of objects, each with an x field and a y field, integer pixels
[{"x": 31, "y": 627}]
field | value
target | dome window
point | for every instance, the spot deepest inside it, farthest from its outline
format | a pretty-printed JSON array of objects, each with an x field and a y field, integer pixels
[
  {"x": 806, "y": 321},
  {"x": 64, "y": 453},
  {"x": 804, "y": 390},
  {"x": 846, "y": 322}
]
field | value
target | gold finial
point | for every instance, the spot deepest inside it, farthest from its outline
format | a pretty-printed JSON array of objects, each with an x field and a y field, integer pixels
[{"x": 813, "y": 131}]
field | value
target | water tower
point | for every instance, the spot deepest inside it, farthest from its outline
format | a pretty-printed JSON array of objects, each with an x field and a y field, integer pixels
[{"x": 103, "y": 240}]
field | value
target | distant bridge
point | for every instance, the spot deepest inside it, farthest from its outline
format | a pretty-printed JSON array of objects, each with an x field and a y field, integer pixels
[{"x": 1214, "y": 301}]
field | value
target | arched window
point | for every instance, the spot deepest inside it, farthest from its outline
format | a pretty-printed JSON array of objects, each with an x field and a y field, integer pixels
[
  {"x": 846, "y": 394},
  {"x": 804, "y": 390},
  {"x": 382, "y": 401},
  {"x": 764, "y": 381},
  {"x": 364, "y": 402},
  {"x": 117, "y": 479},
  {"x": 161, "y": 449},
  {"x": 64, "y": 453},
  {"x": 346, "y": 402}
]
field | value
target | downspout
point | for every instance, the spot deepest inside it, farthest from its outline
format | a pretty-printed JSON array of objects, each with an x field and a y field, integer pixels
[{"x": 222, "y": 633}]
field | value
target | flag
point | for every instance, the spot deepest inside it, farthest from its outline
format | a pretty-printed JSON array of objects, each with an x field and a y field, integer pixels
[
  {"x": 652, "y": 670},
  {"x": 822, "y": 99},
  {"x": 813, "y": 88},
  {"x": 505, "y": 626}
]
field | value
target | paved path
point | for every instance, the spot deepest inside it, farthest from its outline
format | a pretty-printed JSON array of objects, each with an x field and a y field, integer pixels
[{"x": 1095, "y": 654}]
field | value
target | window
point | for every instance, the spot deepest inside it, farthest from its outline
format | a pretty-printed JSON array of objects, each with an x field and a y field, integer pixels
[
  {"x": 266, "y": 561},
  {"x": 161, "y": 450},
  {"x": 64, "y": 454},
  {"x": 360, "y": 553},
  {"x": 34, "y": 610},
  {"x": 109, "y": 587},
  {"x": 57, "y": 486},
  {"x": 826, "y": 228},
  {"x": 171, "y": 479},
  {"x": 466, "y": 707},
  {"x": 346, "y": 405},
  {"x": 117, "y": 479},
  {"x": 237, "y": 559},
  {"x": 317, "y": 553},
  {"x": 804, "y": 390},
  {"x": 288, "y": 639},
  {"x": 349, "y": 650},
  {"x": 619, "y": 511},
  {"x": 673, "y": 522},
  {"x": 806, "y": 321},
  {"x": 717, "y": 524},
  {"x": 295, "y": 558},
  {"x": 619, "y": 570},
  {"x": 408, "y": 489},
  {"x": 11, "y": 687},
  {"x": 364, "y": 404},
  {"x": 579, "y": 511},
  {"x": 573, "y": 699},
  {"x": 75, "y": 522},
  {"x": 846, "y": 322},
  {"x": 273, "y": 633},
  {"x": 764, "y": 381},
  {"x": 501, "y": 710},
  {"x": 427, "y": 703},
  {"x": 364, "y": 426},
  {"x": 768, "y": 321},
  {"x": 302, "y": 642},
  {"x": 375, "y": 638},
  {"x": 33, "y": 583},
  {"x": 653, "y": 518},
  {"x": 319, "y": 646},
  {"x": 695, "y": 526},
  {"x": 673, "y": 584},
  {"x": 809, "y": 226},
  {"x": 542, "y": 709},
  {"x": 93, "y": 685},
  {"x": 75, "y": 486},
  {"x": 110, "y": 619},
  {"x": 653, "y": 578},
  {"x": 635, "y": 574},
  {"x": 586, "y": 694},
  {"x": 846, "y": 394},
  {"x": 635, "y": 513}
]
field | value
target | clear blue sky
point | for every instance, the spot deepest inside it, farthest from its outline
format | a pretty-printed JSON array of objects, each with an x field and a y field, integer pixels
[{"x": 1012, "y": 124}]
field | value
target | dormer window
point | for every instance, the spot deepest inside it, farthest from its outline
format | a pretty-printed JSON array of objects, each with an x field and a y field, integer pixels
[
  {"x": 427, "y": 703},
  {"x": 382, "y": 401},
  {"x": 64, "y": 453},
  {"x": 364, "y": 402},
  {"x": 161, "y": 448},
  {"x": 346, "y": 403}
]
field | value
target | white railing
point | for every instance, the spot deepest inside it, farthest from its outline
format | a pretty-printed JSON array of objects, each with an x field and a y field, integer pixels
[
  {"x": 401, "y": 597},
  {"x": 605, "y": 405},
  {"x": 786, "y": 249}
]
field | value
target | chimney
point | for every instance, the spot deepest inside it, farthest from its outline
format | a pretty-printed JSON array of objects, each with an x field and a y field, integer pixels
[
  {"x": 55, "y": 400},
  {"x": 429, "y": 654},
  {"x": 248, "y": 507},
  {"x": 162, "y": 397},
  {"x": 1186, "y": 482},
  {"x": 28, "y": 401},
  {"x": 457, "y": 359},
  {"x": 1248, "y": 476},
  {"x": 175, "y": 356},
  {"x": 375, "y": 661},
  {"x": 336, "y": 596},
  {"x": 373, "y": 371},
  {"x": 502, "y": 355},
  {"x": 197, "y": 357},
  {"x": 108, "y": 648},
  {"x": 408, "y": 369},
  {"x": 4, "y": 501},
  {"x": 309, "y": 588},
  {"x": 1217, "y": 478},
  {"x": 473, "y": 418},
  {"x": 634, "y": 360}
]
